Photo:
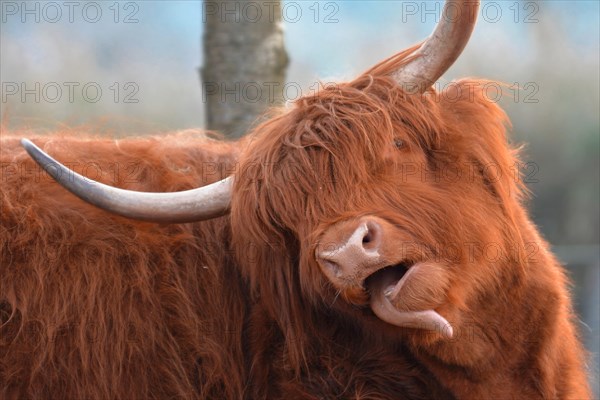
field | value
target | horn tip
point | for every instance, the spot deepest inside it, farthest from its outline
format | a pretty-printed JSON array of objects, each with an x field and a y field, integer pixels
[
  {"x": 34, "y": 151},
  {"x": 26, "y": 143}
]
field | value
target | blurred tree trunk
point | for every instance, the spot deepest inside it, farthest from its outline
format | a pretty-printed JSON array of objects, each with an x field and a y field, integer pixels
[{"x": 244, "y": 63}]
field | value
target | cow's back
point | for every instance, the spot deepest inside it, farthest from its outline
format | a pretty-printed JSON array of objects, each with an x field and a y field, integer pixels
[{"x": 93, "y": 305}]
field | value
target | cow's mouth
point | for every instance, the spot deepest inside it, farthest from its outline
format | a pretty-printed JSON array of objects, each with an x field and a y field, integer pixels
[
  {"x": 387, "y": 277},
  {"x": 385, "y": 288}
]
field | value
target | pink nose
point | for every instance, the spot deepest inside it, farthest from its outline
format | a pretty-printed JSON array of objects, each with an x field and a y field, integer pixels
[{"x": 350, "y": 247}]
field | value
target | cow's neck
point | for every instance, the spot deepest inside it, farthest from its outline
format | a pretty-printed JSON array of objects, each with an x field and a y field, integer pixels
[{"x": 513, "y": 344}]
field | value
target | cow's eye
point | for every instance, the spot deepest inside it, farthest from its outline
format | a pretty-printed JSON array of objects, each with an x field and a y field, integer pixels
[{"x": 399, "y": 143}]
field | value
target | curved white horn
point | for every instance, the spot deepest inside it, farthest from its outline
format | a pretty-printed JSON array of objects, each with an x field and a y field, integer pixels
[
  {"x": 191, "y": 205},
  {"x": 442, "y": 48}
]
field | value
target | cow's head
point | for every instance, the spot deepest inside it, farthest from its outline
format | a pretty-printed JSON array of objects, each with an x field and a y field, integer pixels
[{"x": 380, "y": 198}]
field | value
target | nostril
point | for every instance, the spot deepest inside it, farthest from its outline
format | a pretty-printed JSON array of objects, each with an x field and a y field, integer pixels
[
  {"x": 333, "y": 267},
  {"x": 349, "y": 247},
  {"x": 371, "y": 236}
]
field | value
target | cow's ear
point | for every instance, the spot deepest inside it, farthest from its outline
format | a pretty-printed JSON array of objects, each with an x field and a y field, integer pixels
[{"x": 477, "y": 130}]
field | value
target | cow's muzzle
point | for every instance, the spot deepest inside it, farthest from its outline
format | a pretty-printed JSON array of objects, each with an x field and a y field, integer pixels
[{"x": 367, "y": 254}]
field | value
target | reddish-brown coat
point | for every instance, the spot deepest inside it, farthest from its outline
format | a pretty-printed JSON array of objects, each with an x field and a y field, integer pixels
[{"x": 97, "y": 306}]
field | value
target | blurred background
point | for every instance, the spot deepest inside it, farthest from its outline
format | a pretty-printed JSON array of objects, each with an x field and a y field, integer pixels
[{"x": 132, "y": 68}]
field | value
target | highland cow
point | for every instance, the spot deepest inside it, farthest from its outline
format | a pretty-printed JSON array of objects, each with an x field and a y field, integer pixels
[{"x": 369, "y": 242}]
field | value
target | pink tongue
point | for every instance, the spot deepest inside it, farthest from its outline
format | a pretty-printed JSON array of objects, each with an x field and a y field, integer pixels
[{"x": 383, "y": 286}]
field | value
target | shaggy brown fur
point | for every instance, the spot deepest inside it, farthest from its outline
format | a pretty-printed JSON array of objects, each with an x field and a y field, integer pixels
[
  {"x": 98, "y": 306},
  {"x": 452, "y": 189}
]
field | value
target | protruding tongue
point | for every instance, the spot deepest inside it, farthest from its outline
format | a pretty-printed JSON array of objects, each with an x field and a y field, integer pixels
[{"x": 385, "y": 286}]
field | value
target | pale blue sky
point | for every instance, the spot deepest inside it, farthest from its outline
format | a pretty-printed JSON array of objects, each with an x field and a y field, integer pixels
[{"x": 162, "y": 52}]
